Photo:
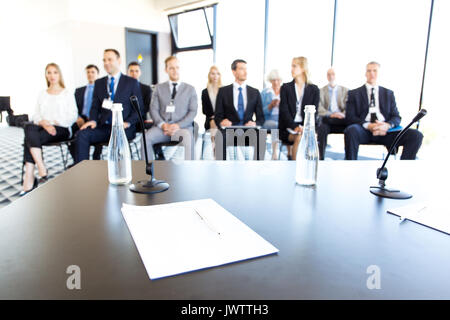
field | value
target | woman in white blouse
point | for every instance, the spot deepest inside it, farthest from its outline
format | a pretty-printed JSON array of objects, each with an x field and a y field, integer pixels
[{"x": 55, "y": 113}]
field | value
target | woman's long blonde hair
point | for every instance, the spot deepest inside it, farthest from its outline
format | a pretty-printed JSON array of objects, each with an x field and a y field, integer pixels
[
  {"x": 209, "y": 84},
  {"x": 303, "y": 63},
  {"x": 61, "y": 79}
]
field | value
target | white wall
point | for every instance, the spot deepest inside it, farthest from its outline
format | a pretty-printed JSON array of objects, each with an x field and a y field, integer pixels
[{"x": 72, "y": 33}]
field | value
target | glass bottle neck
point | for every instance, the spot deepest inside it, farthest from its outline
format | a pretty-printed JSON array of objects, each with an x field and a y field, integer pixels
[
  {"x": 117, "y": 119},
  {"x": 309, "y": 121}
]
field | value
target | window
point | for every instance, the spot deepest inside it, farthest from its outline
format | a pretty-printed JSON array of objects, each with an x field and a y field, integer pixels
[
  {"x": 300, "y": 28},
  {"x": 192, "y": 30},
  {"x": 240, "y": 35},
  {"x": 434, "y": 126},
  {"x": 194, "y": 68},
  {"x": 392, "y": 33}
]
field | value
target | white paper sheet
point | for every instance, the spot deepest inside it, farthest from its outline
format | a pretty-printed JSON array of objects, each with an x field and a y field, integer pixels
[
  {"x": 433, "y": 215},
  {"x": 173, "y": 238}
]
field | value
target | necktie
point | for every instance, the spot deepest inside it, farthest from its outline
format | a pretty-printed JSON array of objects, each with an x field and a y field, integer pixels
[
  {"x": 88, "y": 100},
  {"x": 174, "y": 91},
  {"x": 372, "y": 98},
  {"x": 111, "y": 91},
  {"x": 373, "y": 115},
  {"x": 241, "y": 106},
  {"x": 111, "y": 88}
]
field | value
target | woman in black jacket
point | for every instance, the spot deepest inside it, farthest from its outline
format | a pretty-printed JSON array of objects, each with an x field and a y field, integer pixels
[
  {"x": 294, "y": 96},
  {"x": 209, "y": 96}
]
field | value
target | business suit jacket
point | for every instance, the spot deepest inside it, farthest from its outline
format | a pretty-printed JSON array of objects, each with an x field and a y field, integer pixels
[
  {"x": 79, "y": 98},
  {"x": 325, "y": 98},
  {"x": 225, "y": 108},
  {"x": 288, "y": 102},
  {"x": 358, "y": 106},
  {"x": 126, "y": 88},
  {"x": 146, "y": 92},
  {"x": 185, "y": 102},
  {"x": 207, "y": 108}
]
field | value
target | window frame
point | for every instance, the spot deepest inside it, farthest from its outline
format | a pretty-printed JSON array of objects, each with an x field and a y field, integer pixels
[{"x": 211, "y": 31}]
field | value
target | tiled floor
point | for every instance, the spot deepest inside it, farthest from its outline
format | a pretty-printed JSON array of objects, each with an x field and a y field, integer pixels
[{"x": 11, "y": 157}]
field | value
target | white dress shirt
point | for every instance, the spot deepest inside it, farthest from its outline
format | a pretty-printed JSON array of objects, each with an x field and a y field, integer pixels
[
  {"x": 236, "y": 87},
  {"x": 60, "y": 109},
  {"x": 299, "y": 95},
  {"x": 377, "y": 105}
]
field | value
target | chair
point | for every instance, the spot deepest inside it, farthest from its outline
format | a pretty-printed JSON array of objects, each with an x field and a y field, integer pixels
[
  {"x": 286, "y": 144},
  {"x": 175, "y": 143},
  {"x": 394, "y": 152},
  {"x": 133, "y": 142},
  {"x": 60, "y": 144}
]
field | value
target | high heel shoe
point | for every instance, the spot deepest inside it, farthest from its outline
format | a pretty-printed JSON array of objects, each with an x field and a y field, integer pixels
[
  {"x": 43, "y": 179},
  {"x": 35, "y": 184}
]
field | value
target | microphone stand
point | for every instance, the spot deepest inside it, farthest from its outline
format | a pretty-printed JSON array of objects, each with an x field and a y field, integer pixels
[
  {"x": 152, "y": 185},
  {"x": 382, "y": 172}
]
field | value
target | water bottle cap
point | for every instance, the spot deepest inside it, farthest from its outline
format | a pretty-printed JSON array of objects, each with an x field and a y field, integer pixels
[
  {"x": 310, "y": 108},
  {"x": 117, "y": 107}
]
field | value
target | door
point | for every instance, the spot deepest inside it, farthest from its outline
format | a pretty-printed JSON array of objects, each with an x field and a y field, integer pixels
[{"x": 141, "y": 47}]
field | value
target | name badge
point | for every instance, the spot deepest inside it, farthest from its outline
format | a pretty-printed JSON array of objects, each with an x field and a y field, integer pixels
[
  {"x": 170, "y": 108},
  {"x": 107, "y": 104}
]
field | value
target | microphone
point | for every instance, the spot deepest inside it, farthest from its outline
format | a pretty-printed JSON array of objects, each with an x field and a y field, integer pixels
[
  {"x": 151, "y": 186},
  {"x": 382, "y": 172}
]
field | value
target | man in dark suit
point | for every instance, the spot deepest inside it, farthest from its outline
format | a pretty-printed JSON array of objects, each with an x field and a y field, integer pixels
[
  {"x": 83, "y": 98},
  {"x": 371, "y": 112},
  {"x": 134, "y": 71},
  {"x": 114, "y": 88},
  {"x": 238, "y": 102}
]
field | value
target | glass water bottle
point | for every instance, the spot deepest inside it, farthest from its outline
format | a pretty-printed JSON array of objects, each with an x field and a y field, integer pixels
[
  {"x": 308, "y": 151},
  {"x": 119, "y": 157}
]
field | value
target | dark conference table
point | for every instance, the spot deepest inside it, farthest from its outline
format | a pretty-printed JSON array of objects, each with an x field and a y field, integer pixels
[{"x": 327, "y": 236}]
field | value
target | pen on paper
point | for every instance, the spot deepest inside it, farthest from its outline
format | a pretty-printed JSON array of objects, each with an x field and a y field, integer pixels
[
  {"x": 207, "y": 222},
  {"x": 404, "y": 217}
]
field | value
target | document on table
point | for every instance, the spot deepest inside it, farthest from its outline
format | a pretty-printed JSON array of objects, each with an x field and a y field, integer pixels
[
  {"x": 186, "y": 236},
  {"x": 433, "y": 215}
]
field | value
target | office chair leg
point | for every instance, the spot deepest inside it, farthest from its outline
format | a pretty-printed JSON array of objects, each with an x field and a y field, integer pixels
[
  {"x": 203, "y": 146},
  {"x": 67, "y": 154},
  {"x": 23, "y": 171},
  {"x": 136, "y": 149},
  {"x": 62, "y": 156},
  {"x": 131, "y": 151}
]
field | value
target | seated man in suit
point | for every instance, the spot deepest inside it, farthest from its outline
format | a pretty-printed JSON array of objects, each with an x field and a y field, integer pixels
[
  {"x": 83, "y": 98},
  {"x": 173, "y": 109},
  {"x": 114, "y": 88},
  {"x": 372, "y": 124},
  {"x": 331, "y": 111},
  {"x": 134, "y": 71},
  {"x": 238, "y": 102}
]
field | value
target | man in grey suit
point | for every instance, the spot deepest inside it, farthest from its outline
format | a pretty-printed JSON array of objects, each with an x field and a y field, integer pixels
[
  {"x": 173, "y": 108},
  {"x": 331, "y": 111}
]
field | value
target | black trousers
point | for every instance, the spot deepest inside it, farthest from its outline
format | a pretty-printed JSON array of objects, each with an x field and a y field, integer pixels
[
  {"x": 36, "y": 136},
  {"x": 355, "y": 135},
  {"x": 326, "y": 126}
]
